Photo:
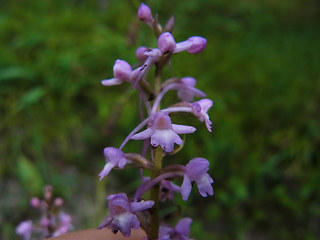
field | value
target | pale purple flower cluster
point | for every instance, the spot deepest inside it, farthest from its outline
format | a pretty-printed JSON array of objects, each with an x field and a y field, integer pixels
[
  {"x": 123, "y": 213},
  {"x": 52, "y": 223},
  {"x": 159, "y": 134}
]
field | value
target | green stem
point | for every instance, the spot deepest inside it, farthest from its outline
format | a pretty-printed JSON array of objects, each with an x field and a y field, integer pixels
[
  {"x": 157, "y": 80},
  {"x": 154, "y": 217},
  {"x": 157, "y": 166}
]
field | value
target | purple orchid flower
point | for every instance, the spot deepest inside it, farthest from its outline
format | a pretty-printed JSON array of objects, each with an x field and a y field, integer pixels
[
  {"x": 167, "y": 189},
  {"x": 193, "y": 45},
  {"x": 122, "y": 214},
  {"x": 152, "y": 56},
  {"x": 196, "y": 170},
  {"x": 121, "y": 72},
  {"x": 114, "y": 157},
  {"x": 24, "y": 229},
  {"x": 200, "y": 109},
  {"x": 180, "y": 232},
  {"x": 187, "y": 91},
  {"x": 163, "y": 133},
  {"x": 64, "y": 224}
]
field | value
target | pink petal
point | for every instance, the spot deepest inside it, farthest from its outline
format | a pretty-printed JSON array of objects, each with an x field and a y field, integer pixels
[
  {"x": 111, "y": 82},
  {"x": 183, "y": 227},
  {"x": 183, "y": 129},
  {"x": 143, "y": 135},
  {"x": 140, "y": 206},
  {"x": 185, "y": 187},
  {"x": 107, "y": 168},
  {"x": 204, "y": 185}
]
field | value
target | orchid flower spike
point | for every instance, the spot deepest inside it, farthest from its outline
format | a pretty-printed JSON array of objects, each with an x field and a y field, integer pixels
[
  {"x": 180, "y": 232},
  {"x": 193, "y": 45},
  {"x": 196, "y": 170},
  {"x": 163, "y": 133},
  {"x": 121, "y": 72},
  {"x": 187, "y": 90},
  {"x": 122, "y": 214},
  {"x": 114, "y": 158},
  {"x": 200, "y": 109}
]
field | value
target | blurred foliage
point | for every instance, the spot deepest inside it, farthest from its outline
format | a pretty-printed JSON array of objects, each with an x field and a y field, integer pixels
[{"x": 261, "y": 67}]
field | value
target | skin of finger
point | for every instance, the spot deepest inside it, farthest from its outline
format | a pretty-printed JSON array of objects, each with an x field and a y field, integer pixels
[{"x": 103, "y": 234}]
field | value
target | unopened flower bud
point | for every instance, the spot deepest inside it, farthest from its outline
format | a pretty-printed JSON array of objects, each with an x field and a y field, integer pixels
[
  {"x": 198, "y": 44},
  {"x": 58, "y": 202},
  {"x": 188, "y": 81},
  {"x": 122, "y": 70},
  {"x": 34, "y": 202},
  {"x": 47, "y": 192},
  {"x": 169, "y": 25},
  {"x": 166, "y": 42},
  {"x": 140, "y": 53},
  {"x": 144, "y": 13},
  {"x": 44, "y": 222}
]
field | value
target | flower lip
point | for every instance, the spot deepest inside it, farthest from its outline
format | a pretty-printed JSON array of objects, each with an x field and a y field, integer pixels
[{"x": 162, "y": 132}]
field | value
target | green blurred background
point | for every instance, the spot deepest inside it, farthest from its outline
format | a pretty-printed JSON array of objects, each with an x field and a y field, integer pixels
[{"x": 261, "y": 67}]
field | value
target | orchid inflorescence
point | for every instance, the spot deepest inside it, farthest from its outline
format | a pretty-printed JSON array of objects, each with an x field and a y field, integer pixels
[
  {"x": 160, "y": 134},
  {"x": 52, "y": 223}
]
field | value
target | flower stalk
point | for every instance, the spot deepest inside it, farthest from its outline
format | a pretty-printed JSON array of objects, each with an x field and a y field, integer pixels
[{"x": 154, "y": 195}]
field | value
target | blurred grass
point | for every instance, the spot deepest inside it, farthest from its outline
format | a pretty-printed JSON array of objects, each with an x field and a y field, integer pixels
[{"x": 261, "y": 67}]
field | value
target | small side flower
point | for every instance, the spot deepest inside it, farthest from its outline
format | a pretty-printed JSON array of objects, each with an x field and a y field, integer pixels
[
  {"x": 122, "y": 214},
  {"x": 180, "y": 232},
  {"x": 196, "y": 170},
  {"x": 114, "y": 158},
  {"x": 200, "y": 109},
  {"x": 121, "y": 72},
  {"x": 187, "y": 90}
]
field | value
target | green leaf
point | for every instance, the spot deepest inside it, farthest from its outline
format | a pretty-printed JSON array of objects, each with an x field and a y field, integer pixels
[
  {"x": 12, "y": 73},
  {"x": 31, "y": 97},
  {"x": 29, "y": 176}
]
